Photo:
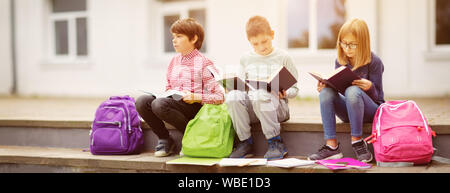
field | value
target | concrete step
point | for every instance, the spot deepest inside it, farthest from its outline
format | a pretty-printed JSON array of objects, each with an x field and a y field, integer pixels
[
  {"x": 300, "y": 138},
  {"x": 65, "y": 122},
  {"x": 74, "y": 160}
]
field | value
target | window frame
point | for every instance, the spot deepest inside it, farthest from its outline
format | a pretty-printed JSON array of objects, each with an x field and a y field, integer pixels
[
  {"x": 313, "y": 32},
  {"x": 70, "y": 17},
  {"x": 433, "y": 47},
  {"x": 367, "y": 10},
  {"x": 182, "y": 9},
  {"x": 434, "y": 53},
  {"x": 310, "y": 55}
]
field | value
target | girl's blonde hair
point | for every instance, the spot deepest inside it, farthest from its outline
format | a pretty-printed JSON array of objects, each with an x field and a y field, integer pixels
[{"x": 359, "y": 29}]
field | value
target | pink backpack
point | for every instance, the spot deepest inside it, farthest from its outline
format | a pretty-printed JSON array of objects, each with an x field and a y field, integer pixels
[{"x": 400, "y": 134}]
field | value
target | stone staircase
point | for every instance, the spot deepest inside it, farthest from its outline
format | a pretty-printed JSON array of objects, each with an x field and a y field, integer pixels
[{"x": 43, "y": 143}]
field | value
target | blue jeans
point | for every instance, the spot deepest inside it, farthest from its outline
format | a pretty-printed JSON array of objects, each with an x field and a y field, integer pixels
[{"x": 355, "y": 107}]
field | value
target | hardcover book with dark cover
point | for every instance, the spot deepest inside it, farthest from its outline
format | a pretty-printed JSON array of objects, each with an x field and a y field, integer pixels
[
  {"x": 339, "y": 80},
  {"x": 282, "y": 79}
]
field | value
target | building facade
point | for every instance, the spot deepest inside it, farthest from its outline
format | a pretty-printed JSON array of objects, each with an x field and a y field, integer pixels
[{"x": 96, "y": 48}]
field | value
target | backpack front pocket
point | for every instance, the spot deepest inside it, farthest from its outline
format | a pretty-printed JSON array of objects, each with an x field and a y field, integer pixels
[
  {"x": 405, "y": 142},
  {"x": 108, "y": 140}
]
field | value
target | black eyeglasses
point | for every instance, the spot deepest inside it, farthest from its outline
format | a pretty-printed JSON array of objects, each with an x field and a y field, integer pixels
[{"x": 347, "y": 46}]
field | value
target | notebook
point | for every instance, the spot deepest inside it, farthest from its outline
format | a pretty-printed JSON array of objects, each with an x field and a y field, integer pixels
[
  {"x": 344, "y": 163},
  {"x": 185, "y": 160},
  {"x": 290, "y": 162},
  {"x": 240, "y": 162}
]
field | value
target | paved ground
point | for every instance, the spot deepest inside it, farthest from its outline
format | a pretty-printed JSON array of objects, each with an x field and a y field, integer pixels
[
  {"x": 145, "y": 162},
  {"x": 437, "y": 110}
]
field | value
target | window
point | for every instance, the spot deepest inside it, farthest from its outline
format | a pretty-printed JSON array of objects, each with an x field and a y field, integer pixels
[
  {"x": 175, "y": 9},
  {"x": 68, "y": 27},
  {"x": 168, "y": 20},
  {"x": 438, "y": 30},
  {"x": 442, "y": 23},
  {"x": 298, "y": 24},
  {"x": 314, "y": 24}
]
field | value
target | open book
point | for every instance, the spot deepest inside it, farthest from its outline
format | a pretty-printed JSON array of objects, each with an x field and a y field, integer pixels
[
  {"x": 282, "y": 79},
  {"x": 339, "y": 80},
  {"x": 175, "y": 94},
  {"x": 230, "y": 81}
]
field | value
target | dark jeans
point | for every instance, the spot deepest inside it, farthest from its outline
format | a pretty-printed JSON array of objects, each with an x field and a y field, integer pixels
[{"x": 156, "y": 110}]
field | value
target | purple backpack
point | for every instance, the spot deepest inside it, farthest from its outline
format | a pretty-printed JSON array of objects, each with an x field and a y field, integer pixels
[{"x": 116, "y": 128}]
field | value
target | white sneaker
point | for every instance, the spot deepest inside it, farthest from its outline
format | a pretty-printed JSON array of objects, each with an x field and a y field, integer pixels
[{"x": 164, "y": 147}]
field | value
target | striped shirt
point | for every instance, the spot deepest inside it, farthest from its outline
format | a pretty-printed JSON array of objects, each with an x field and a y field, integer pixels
[{"x": 189, "y": 73}]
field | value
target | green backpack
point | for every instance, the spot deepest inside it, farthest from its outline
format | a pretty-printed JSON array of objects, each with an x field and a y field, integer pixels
[{"x": 209, "y": 134}]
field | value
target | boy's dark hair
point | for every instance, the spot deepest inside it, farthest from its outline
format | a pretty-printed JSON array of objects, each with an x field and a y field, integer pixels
[{"x": 189, "y": 27}]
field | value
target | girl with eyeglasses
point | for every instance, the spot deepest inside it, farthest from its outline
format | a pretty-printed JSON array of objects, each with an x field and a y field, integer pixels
[{"x": 360, "y": 101}]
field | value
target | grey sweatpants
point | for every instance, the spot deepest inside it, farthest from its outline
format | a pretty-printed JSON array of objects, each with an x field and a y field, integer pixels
[{"x": 259, "y": 105}]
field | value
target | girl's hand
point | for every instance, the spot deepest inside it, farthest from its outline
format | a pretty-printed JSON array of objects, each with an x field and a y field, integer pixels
[
  {"x": 364, "y": 84},
  {"x": 282, "y": 94},
  {"x": 320, "y": 86}
]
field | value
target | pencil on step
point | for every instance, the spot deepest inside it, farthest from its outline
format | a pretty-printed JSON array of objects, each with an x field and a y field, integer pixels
[
  {"x": 343, "y": 165},
  {"x": 248, "y": 163}
]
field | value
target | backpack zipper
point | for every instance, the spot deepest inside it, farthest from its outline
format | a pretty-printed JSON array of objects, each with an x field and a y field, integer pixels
[
  {"x": 121, "y": 109},
  {"x": 118, "y": 123},
  {"x": 126, "y": 114}
]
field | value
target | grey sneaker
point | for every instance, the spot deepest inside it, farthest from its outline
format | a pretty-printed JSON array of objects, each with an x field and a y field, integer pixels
[
  {"x": 362, "y": 152},
  {"x": 164, "y": 147},
  {"x": 326, "y": 152},
  {"x": 276, "y": 149},
  {"x": 243, "y": 150}
]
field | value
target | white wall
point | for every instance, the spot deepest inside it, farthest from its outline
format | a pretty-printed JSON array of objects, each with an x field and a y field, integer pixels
[
  {"x": 227, "y": 36},
  {"x": 125, "y": 53},
  {"x": 404, "y": 43},
  {"x": 117, "y": 37},
  {"x": 5, "y": 48}
]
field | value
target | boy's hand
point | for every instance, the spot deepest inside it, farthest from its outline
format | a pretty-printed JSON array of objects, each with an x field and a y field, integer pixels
[
  {"x": 364, "y": 84},
  {"x": 282, "y": 94},
  {"x": 191, "y": 98},
  {"x": 320, "y": 86}
]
